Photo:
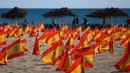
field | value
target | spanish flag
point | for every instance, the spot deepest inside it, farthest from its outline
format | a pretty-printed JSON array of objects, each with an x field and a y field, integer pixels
[
  {"x": 19, "y": 32},
  {"x": 97, "y": 48},
  {"x": 89, "y": 36},
  {"x": 76, "y": 35},
  {"x": 67, "y": 33},
  {"x": 41, "y": 27},
  {"x": 34, "y": 34},
  {"x": 124, "y": 64},
  {"x": 27, "y": 29},
  {"x": 32, "y": 28},
  {"x": 24, "y": 44},
  {"x": 61, "y": 33},
  {"x": 94, "y": 31},
  {"x": 77, "y": 66},
  {"x": 3, "y": 58},
  {"x": 116, "y": 35},
  {"x": 7, "y": 27},
  {"x": 82, "y": 44},
  {"x": 14, "y": 50},
  {"x": 11, "y": 32},
  {"x": 49, "y": 54},
  {"x": 59, "y": 51},
  {"x": 65, "y": 27},
  {"x": 98, "y": 34},
  {"x": 110, "y": 29},
  {"x": 44, "y": 36},
  {"x": 2, "y": 38},
  {"x": 87, "y": 29},
  {"x": 52, "y": 39},
  {"x": 125, "y": 41},
  {"x": 70, "y": 43},
  {"x": 64, "y": 63},
  {"x": 79, "y": 29},
  {"x": 36, "y": 50},
  {"x": 88, "y": 54},
  {"x": 1, "y": 28}
]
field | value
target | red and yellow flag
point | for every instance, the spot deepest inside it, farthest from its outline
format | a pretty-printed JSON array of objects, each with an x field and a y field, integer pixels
[
  {"x": 14, "y": 50},
  {"x": 7, "y": 27},
  {"x": 64, "y": 63},
  {"x": 19, "y": 32},
  {"x": 88, "y": 56},
  {"x": 59, "y": 51},
  {"x": 3, "y": 58},
  {"x": 27, "y": 29},
  {"x": 124, "y": 64},
  {"x": 97, "y": 48},
  {"x": 2, "y": 38},
  {"x": 36, "y": 50},
  {"x": 24, "y": 44},
  {"x": 48, "y": 55},
  {"x": 52, "y": 39},
  {"x": 40, "y": 27},
  {"x": 77, "y": 66},
  {"x": 44, "y": 36},
  {"x": 125, "y": 41},
  {"x": 70, "y": 43},
  {"x": 11, "y": 32}
]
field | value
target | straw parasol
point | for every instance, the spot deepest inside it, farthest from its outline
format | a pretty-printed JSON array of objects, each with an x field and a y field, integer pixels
[
  {"x": 58, "y": 13},
  {"x": 15, "y": 13},
  {"x": 107, "y": 13},
  {"x": 62, "y": 12}
]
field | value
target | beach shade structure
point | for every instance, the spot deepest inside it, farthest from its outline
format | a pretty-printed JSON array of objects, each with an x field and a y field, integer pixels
[
  {"x": 58, "y": 13},
  {"x": 114, "y": 12},
  {"x": 15, "y": 13},
  {"x": 99, "y": 14},
  {"x": 107, "y": 13}
]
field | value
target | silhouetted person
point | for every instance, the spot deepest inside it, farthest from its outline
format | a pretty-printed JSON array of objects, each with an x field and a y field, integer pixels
[
  {"x": 104, "y": 21},
  {"x": 77, "y": 20},
  {"x": 128, "y": 20},
  {"x": 85, "y": 23},
  {"x": 74, "y": 23}
]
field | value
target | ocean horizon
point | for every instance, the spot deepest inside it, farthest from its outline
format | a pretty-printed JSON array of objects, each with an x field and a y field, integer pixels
[{"x": 35, "y": 15}]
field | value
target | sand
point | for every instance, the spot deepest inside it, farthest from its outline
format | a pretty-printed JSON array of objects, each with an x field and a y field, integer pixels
[{"x": 103, "y": 63}]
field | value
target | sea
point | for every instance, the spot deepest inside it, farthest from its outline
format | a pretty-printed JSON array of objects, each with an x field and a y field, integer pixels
[{"x": 35, "y": 16}]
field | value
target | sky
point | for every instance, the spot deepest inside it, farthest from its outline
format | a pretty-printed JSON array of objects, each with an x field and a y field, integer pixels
[{"x": 64, "y": 3}]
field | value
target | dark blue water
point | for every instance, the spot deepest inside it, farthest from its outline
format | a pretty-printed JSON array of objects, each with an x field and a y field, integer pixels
[{"x": 34, "y": 15}]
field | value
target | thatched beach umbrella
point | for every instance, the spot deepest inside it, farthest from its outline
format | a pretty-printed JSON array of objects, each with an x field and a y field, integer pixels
[
  {"x": 116, "y": 12},
  {"x": 58, "y": 13},
  {"x": 107, "y": 13},
  {"x": 15, "y": 13},
  {"x": 98, "y": 14},
  {"x": 62, "y": 12}
]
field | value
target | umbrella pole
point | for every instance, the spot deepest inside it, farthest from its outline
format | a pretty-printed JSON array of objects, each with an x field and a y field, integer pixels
[
  {"x": 117, "y": 20},
  {"x": 111, "y": 20},
  {"x": 16, "y": 21}
]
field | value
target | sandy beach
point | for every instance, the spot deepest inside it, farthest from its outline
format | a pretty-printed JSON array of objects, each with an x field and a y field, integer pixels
[{"x": 103, "y": 63}]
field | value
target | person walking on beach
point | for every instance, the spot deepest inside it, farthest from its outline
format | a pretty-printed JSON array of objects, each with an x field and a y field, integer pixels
[
  {"x": 77, "y": 21},
  {"x": 73, "y": 23},
  {"x": 104, "y": 21},
  {"x": 85, "y": 23},
  {"x": 128, "y": 20}
]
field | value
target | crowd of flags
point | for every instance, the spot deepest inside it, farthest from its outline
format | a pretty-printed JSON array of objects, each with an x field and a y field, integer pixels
[{"x": 73, "y": 58}]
